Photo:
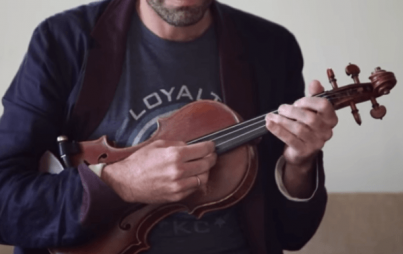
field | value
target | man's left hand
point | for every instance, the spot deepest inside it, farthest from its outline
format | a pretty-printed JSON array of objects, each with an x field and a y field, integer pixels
[{"x": 304, "y": 127}]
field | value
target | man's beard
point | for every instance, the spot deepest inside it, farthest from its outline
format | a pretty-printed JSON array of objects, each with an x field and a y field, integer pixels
[{"x": 181, "y": 16}]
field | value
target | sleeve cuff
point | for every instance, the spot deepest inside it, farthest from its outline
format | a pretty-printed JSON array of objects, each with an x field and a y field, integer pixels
[
  {"x": 100, "y": 203},
  {"x": 278, "y": 175},
  {"x": 97, "y": 168}
]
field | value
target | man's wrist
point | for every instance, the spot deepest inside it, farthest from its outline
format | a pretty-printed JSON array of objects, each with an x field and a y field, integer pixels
[
  {"x": 104, "y": 171},
  {"x": 299, "y": 179}
]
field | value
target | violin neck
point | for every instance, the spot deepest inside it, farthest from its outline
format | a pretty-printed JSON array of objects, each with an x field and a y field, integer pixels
[
  {"x": 239, "y": 134},
  {"x": 235, "y": 135}
]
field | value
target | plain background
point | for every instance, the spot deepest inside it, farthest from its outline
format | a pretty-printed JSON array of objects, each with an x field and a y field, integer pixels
[{"x": 331, "y": 34}]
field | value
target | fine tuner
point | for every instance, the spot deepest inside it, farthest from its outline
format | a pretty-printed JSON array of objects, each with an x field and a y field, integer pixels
[{"x": 381, "y": 84}]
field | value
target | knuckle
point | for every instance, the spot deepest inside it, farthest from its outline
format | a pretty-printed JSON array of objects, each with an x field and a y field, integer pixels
[
  {"x": 311, "y": 120},
  {"x": 305, "y": 102},
  {"x": 213, "y": 160},
  {"x": 323, "y": 104},
  {"x": 174, "y": 153},
  {"x": 273, "y": 125},
  {"x": 329, "y": 135},
  {"x": 334, "y": 121},
  {"x": 300, "y": 130},
  {"x": 180, "y": 143},
  {"x": 298, "y": 102},
  {"x": 282, "y": 107},
  {"x": 175, "y": 187},
  {"x": 160, "y": 143},
  {"x": 270, "y": 117},
  {"x": 285, "y": 108},
  {"x": 176, "y": 172}
]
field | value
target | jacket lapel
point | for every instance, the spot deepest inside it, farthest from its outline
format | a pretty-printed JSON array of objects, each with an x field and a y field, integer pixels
[
  {"x": 103, "y": 68},
  {"x": 235, "y": 73}
]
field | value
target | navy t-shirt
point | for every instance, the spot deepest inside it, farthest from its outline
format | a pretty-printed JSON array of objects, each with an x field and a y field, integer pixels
[{"x": 158, "y": 78}]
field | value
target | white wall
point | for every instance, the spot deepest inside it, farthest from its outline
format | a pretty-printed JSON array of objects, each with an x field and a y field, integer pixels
[{"x": 331, "y": 34}]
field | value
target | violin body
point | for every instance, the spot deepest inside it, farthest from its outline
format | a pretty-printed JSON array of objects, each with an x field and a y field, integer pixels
[{"x": 229, "y": 180}]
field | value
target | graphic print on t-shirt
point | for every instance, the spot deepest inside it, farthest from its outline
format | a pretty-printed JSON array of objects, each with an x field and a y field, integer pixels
[{"x": 159, "y": 104}]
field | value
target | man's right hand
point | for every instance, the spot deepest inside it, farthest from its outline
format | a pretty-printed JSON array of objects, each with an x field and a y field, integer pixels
[{"x": 161, "y": 172}]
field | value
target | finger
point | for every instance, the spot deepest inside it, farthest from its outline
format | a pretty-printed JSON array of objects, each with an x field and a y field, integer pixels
[
  {"x": 203, "y": 179},
  {"x": 192, "y": 183},
  {"x": 322, "y": 106},
  {"x": 302, "y": 115},
  {"x": 178, "y": 196},
  {"x": 200, "y": 166},
  {"x": 197, "y": 151},
  {"x": 315, "y": 87},
  {"x": 297, "y": 129},
  {"x": 282, "y": 133}
]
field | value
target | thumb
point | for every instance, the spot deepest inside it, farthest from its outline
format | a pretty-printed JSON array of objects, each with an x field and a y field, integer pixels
[{"x": 315, "y": 87}]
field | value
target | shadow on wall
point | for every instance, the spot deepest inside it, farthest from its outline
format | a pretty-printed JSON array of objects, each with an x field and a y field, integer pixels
[{"x": 367, "y": 223}]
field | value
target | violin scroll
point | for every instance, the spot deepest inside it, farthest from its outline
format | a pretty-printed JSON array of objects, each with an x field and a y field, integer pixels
[
  {"x": 381, "y": 84},
  {"x": 383, "y": 81}
]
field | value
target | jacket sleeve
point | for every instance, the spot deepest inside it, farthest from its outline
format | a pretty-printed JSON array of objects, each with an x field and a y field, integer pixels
[
  {"x": 296, "y": 222},
  {"x": 39, "y": 210}
]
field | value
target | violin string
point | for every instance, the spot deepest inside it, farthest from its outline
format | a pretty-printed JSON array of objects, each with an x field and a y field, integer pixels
[
  {"x": 229, "y": 128},
  {"x": 243, "y": 134},
  {"x": 241, "y": 126}
]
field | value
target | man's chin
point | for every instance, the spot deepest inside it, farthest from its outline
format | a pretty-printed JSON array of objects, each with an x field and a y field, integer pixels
[
  {"x": 179, "y": 14},
  {"x": 184, "y": 3}
]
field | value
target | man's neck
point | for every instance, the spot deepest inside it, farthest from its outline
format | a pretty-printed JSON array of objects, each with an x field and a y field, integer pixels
[{"x": 166, "y": 31}]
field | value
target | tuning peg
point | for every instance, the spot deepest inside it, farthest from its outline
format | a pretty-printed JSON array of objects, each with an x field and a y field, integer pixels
[
  {"x": 353, "y": 71},
  {"x": 355, "y": 113},
  {"x": 377, "y": 112},
  {"x": 332, "y": 79}
]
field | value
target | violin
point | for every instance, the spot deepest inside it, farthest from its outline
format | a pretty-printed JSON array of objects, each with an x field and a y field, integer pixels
[{"x": 235, "y": 171}]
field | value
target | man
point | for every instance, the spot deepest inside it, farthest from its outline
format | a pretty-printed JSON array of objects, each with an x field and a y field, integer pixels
[{"x": 148, "y": 58}]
